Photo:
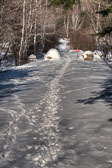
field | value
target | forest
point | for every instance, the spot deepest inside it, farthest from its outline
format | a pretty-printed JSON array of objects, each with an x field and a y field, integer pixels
[{"x": 34, "y": 26}]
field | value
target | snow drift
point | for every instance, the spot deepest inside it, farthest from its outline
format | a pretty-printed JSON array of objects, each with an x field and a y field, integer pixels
[
  {"x": 32, "y": 58},
  {"x": 52, "y": 54}
]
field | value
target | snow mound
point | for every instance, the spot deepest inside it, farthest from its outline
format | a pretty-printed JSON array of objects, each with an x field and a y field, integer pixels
[
  {"x": 32, "y": 58},
  {"x": 87, "y": 53},
  {"x": 52, "y": 54}
]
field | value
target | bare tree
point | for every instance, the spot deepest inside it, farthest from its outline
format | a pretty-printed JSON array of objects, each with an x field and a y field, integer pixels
[{"x": 76, "y": 18}]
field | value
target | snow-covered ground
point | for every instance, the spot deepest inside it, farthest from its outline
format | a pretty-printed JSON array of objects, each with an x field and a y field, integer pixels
[{"x": 56, "y": 114}]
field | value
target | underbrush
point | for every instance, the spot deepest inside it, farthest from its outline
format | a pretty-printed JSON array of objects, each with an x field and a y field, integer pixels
[{"x": 82, "y": 40}]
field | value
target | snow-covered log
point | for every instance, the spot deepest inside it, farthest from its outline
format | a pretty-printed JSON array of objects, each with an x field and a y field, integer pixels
[{"x": 52, "y": 54}]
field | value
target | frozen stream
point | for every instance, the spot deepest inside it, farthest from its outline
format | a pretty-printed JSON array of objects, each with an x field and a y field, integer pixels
[{"x": 56, "y": 115}]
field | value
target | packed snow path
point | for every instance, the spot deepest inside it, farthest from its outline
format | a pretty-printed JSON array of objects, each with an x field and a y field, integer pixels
[{"x": 56, "y": 114}]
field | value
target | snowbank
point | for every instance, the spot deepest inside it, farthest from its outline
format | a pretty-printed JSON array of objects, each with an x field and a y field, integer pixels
[{"x": 52, "y": 54}]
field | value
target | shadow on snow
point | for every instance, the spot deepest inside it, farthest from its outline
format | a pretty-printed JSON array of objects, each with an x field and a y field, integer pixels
[
  {"x": 8, "y": 85},
  {"x": 105, "y": 94}
]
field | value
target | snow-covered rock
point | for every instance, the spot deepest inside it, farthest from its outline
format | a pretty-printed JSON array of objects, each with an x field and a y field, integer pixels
[
  {"x": 52, "y": 54},
  {"x": 87, "y": 56},
  {"x": 87, "y": 53},
  {"x": 32, "y": 58},
  {"x": 91, "y": 56}
]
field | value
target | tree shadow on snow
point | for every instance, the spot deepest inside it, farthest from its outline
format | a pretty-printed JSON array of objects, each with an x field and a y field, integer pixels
[
  {"x": 9, "y": 82},
  {"x": 105, "y": 94},
  {"x": 110, "y": 119}
]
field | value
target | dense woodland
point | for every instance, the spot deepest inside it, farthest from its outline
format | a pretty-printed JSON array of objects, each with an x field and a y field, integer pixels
[{"x": 34, "y": 26}]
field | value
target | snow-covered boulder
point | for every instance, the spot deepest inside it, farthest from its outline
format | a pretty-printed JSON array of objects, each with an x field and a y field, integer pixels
[
  {"x": 88, "y": 56},
  {"x": 32, "y": 58},
  {"x": 52, "y": 54},
  {"x": 91, "y": 56}
]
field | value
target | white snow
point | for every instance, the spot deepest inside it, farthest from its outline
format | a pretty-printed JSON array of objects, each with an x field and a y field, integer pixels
[
  {"x": 56, "y": 113},
  {"x": 52, "y": 54},
  {"x": 63, "y": 44},
  {"x": 72, "y": 51},
  {"x": 81, "y": 57},
  {"x": 100, "y": 53},
  {"x": 32, "y": 57},
  {"x": 109, "y": 55},
  {"x": 2, "y": 55},
  {"x": 96, "y": 55}
]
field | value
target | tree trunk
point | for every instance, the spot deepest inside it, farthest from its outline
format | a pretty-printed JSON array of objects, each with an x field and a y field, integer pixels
[
  {"x": 21, "y": 51},
  {"x": 66, "y": 23}
]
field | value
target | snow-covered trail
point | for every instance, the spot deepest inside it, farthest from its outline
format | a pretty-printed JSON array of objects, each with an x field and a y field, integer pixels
[
  {"x": 86, "y": 125},
  {"x": 56, "y": 114},
  {"x": 39, "y": 122},
  {"x": 49, "y": 124}
]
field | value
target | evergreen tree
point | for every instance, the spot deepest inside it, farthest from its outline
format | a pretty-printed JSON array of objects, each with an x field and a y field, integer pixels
[
  {"x": 105, "y": 13},
  {"x": 65, "y": 4}
]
